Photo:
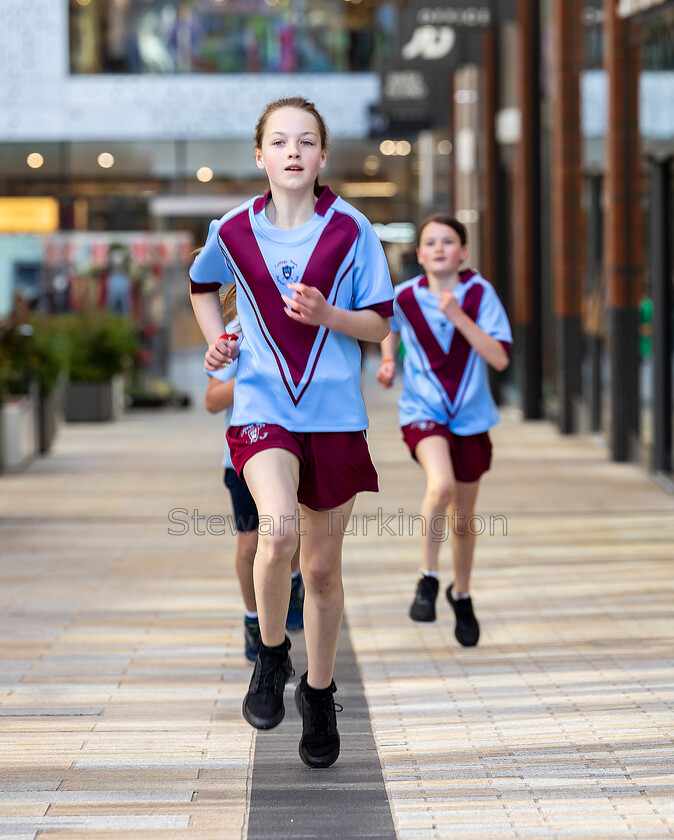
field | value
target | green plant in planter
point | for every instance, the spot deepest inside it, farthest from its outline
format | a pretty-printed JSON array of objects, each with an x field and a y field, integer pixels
[
  {"x": 50, "y": 344},
  {"x": 99, "y": 344},
  {"x": 18, "y": 357},
  {"x": 48, "y": 371}
]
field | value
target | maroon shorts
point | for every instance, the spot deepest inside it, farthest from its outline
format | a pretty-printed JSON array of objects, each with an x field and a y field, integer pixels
[
  {"x": 470, "y": 454},
  {"x": 334, "y": 466}
]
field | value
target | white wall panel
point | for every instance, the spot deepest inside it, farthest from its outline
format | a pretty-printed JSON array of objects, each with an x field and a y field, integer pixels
[{"x": 40, "y": 100}]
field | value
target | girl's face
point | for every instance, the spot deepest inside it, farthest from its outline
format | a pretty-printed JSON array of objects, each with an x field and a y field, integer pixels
[
  {"x": 440, "y": 251},
  {"x": 291, "y": 152}
]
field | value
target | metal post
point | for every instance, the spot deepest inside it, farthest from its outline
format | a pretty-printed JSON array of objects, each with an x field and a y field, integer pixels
[
  {"x": 661, "y": 263},
  {"x": 494, "y": 268},
  {"x": 527, "y": 272},
  {"x": 594, "y": 325},
  {"x": 566, "y": 205},
  {"x": 623, "y": 233}
]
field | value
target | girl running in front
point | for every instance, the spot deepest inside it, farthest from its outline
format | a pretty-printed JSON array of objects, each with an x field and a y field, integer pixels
[
  {"x": 311, "y": 281},
  {"x": 220, "y": 397},
  {"x": 452, "y": 326}
]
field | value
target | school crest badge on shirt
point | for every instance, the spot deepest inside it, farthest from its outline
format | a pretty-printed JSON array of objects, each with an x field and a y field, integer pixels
[{"x": 286, "y": 272}]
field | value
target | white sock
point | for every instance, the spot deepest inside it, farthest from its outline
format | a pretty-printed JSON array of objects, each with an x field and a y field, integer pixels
[
  {"x": 428, "y": 573},
  {"x": 295, "y": 575},
  {"x": 250, "y": 614},
  {"x": 462, "y": 597}
]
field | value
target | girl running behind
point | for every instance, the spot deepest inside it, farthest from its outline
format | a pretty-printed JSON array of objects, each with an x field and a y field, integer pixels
[{"x": 453, "y": 327}]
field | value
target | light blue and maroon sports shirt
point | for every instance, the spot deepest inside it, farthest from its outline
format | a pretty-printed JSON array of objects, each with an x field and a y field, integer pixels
[
  {"x": 304, "y": 378},
  {"x": 444, "y": 379}
]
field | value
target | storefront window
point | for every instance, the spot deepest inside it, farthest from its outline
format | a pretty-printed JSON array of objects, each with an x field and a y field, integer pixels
[
  {"x": 657, "y": 46},
  {"x": 228, "y": 36},
  {"x": 592, "y": 21}
]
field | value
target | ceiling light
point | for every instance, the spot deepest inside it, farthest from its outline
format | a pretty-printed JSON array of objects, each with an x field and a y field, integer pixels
[
  {"x": 370, "y": 189},
  {"x": 465, "y": 97},
  {"x": 371, "y": 165},
  {"x": 395, "y": 232},
  {"x": 467, "y": 217}
]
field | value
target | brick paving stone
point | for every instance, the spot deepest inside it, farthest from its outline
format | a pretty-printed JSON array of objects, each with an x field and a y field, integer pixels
[{"x": 20, "y": 809}]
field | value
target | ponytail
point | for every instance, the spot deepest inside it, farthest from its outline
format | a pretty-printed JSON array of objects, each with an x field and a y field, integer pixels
[{"x": 228, "y": 304}]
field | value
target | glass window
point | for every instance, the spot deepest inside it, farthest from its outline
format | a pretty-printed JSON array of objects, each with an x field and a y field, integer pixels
[
  {"x": 657, "y": 45},
  {"x": 229, "y": 36}
]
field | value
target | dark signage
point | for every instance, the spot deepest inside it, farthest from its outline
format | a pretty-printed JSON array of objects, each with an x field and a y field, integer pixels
[
  {"x": 435, "y": 39},
  {"x": 386, "y": 124},
  {"x": 411, "y": 99},
  {"x": 447, "y": 34},
  {"x": 463, "y": 14},
  {"x": 428, "y": 45}
]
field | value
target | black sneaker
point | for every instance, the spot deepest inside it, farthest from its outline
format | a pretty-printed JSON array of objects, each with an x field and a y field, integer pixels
[
  {"x": 423, "y": 606},
  {"x": 319, "y": 744},
  {"x": 467, "y": 630},
  {"x": 263, "y": 705}
]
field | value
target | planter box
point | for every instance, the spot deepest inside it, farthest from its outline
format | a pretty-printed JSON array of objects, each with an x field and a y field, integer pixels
[
  {"x": 17, "y": 433},
  {"x": 92, "y": 402},
  {"x": 49, "y": 415}
]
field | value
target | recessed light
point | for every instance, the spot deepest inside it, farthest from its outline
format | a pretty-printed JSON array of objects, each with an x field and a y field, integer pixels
[{"x": 204, "y": 174}]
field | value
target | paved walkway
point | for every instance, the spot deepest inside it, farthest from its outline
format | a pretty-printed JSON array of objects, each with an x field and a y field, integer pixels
[{"x": 121, "y": 672}]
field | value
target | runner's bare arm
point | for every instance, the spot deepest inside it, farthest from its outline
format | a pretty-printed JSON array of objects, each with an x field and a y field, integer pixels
[{"x": 208, "y": 313}]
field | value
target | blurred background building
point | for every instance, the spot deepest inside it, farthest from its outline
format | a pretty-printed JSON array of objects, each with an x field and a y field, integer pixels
[{"x": 546, "y": 126}]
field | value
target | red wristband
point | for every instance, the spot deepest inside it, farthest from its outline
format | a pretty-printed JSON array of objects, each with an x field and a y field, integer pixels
[
  {"x": 230, "y": 337},
  {"x": 387, "y": 360}
]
